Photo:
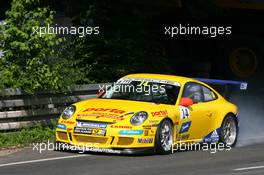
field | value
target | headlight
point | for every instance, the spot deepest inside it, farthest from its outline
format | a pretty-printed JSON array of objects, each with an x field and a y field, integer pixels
[
  {"x": 68, "y": 112},
  {"x": 138, "y": 118}
]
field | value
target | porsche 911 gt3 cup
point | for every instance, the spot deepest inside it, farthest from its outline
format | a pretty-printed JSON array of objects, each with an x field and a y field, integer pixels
[{"x": 142, "y": 112}]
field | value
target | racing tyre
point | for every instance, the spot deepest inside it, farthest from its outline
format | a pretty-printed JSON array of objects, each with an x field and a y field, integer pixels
[
  {"x": 229, "y": 131},
  {"x": 164, "y": 137}
]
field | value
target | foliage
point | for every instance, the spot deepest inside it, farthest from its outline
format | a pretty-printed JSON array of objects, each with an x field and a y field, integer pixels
[
  {"x": 26, "y": 136},
  {"x": 33, "y": 62},
  {"x": 122, "y": 46},
  {"x": 125, "y": 45}
]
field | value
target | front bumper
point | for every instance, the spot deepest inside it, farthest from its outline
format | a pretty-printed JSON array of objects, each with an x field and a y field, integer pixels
[
  {"x": 60, "y": 146},
  {"x": 112, "y": 140}
]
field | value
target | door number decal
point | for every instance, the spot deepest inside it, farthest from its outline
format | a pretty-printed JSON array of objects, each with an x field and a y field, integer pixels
[{"x": 184, "y": 113}]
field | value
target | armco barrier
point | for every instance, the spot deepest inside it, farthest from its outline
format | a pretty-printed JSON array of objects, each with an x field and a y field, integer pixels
[{"x": 18, "y": 109}]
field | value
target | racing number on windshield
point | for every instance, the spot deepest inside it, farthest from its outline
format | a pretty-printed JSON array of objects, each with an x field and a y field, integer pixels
[{"x": 184, "y": 113}]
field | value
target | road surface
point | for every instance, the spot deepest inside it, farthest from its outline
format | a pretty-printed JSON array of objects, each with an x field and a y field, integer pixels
[{"x": 248, "y": 160}]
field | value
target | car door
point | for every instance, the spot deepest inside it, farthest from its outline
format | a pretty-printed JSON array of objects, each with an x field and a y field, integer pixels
[{"x": 196, "y": 120}]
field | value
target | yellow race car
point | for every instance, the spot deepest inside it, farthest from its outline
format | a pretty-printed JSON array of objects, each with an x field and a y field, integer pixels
[{"x": 149, "y": 112}]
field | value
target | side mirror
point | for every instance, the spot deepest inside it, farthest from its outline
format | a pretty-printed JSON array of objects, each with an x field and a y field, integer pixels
[
  {"x": 186, "y": 102},
  {"x": 100, "y": 93}
]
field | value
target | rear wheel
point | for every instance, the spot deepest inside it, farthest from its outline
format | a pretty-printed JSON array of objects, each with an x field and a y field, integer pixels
[
  {"x": 229, "y": 131},
  {"x": 164, "y": 137}
]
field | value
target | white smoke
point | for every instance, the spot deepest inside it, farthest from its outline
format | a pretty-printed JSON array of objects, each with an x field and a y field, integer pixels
[{"x": 251, "y": 110}]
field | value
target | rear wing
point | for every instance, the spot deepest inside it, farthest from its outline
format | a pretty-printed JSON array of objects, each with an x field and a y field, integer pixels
[{"x": 225, "y": 87}]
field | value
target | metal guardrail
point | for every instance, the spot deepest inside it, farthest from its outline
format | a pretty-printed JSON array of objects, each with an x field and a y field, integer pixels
[{"x": 18, "y": 109}]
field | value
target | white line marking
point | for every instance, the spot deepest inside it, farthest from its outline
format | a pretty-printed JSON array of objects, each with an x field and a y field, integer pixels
[
  {"x": 41, "y": 160},
  {"x": 248, "y": 168}
]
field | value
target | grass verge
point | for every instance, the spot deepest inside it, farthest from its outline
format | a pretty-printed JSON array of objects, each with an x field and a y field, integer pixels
[{"x": 27, "y": 136}]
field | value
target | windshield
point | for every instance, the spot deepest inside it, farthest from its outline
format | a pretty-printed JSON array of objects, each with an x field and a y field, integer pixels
[{"x": 142, "y": 91}]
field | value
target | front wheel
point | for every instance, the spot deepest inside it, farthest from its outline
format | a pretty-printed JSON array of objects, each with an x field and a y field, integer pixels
[
  {"x": 164, "y": 137},
  {"x": 229, "y": 131}
]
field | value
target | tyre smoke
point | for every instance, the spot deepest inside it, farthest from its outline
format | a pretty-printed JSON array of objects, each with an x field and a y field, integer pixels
[{"x": 251, "y": 110}]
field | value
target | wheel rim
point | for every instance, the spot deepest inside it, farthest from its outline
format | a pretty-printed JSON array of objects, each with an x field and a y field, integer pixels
[
  {"x": 166, "y": 136},
  {"x": 229, "y": 131}
]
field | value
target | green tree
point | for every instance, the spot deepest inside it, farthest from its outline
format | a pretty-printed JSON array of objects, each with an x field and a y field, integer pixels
[
  {"x": 33, "y": 62},
  {"x": 124, "y": 45}
]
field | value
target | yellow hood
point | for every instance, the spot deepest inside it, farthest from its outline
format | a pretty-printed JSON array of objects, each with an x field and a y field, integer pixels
[{"x": 112, "y": 110}]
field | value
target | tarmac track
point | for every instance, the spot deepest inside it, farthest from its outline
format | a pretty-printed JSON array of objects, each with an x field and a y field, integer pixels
[{"x": 248, "y": 160}]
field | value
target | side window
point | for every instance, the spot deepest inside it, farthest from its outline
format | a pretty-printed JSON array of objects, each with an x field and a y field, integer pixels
[
  {"x": 209, "y": 95},
  {"x": 193, "y": 91}
]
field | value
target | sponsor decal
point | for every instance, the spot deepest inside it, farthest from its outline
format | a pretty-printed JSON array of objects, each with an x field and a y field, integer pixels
[
  {"x": 184, "y": 113},
  {"x": 92, "y": 128},
  {"x": 131, "y": 132},
  {"x": 82, "y": 130},
  {"x": 91, "y": 124},
  {"x": 117, "y": 111},
  {"x": 90, "y": 131},
  {"x": 61, "y": 126},
  {"x": 124, "y": 81},
  {"x": 159, "y": 113},
  {"x": 147, "y": 126},
  {"x": 213, "y": 136},
  {"x": 101, "y": 150},
  {"x": 145, "y": 140},
  {"x": 98, "y": 115},
  {"x": 129, "y": 80},
  {"x": 67, "y": 122},
  {"x": 153, "y": 121},
  {"x": 185, "y": 127},
  {"x": 146, "y": 132},
  {"x": 243, "y": 86},
  {"x": 121, "y": 127},
  {"x": 100, "y": 132},
  {"x": 152, "y": 133}
]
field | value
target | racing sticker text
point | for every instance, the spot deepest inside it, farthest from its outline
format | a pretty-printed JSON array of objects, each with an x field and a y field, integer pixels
[
  {"x": 105, "y": 110},
  {"x": 159, "y": 113},
  {"x": 145, "y": 140},
  {"x": 121, "y": 127}
]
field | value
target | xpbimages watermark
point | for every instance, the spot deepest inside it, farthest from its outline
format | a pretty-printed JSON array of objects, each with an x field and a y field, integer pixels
[
  {"x": 142, "y": 87},
  {"x": 212, "y": 147},
  {"x": 80, "y": 148},
  {"x": 93, "y": 147},
  {"x": 211, "y": 31},
  {"x": 60, "y": 30}
]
